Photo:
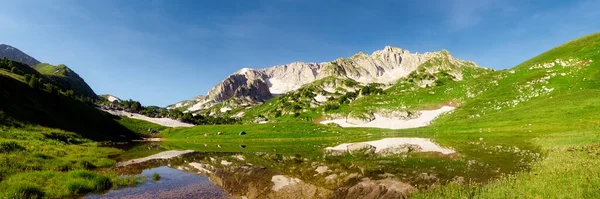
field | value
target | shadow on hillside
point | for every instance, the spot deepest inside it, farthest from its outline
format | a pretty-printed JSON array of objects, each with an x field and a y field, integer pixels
[{"x": 31, "y": 106}]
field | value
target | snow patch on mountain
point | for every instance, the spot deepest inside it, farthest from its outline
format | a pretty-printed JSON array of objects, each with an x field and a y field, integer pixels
[{"x": 394, "y": 123}]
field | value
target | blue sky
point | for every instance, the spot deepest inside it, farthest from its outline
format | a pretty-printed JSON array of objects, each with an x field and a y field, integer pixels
[{"x": 161, "y": 52}]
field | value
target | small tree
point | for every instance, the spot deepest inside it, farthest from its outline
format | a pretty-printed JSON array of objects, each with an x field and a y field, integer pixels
[
  {"x": 69, "y": 93},
  {"x": 33, "y": 82},
  {"x": 27, "y": 77}
]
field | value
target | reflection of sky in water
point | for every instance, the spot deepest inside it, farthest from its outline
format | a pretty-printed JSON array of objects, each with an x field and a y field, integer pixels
[
  {"x": 239, "y": 173},
  {"x": 173, "y": 184}
]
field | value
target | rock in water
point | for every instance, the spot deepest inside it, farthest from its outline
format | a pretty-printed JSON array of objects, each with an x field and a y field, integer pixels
[
  {"x": 361, "y": 149},
  {"x": 403, "y": 148}
]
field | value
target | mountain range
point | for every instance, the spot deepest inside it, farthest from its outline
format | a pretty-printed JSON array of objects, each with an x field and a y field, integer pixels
[
  {"x": 15, "y": 54},
  {"x": 248, "y": 87}
]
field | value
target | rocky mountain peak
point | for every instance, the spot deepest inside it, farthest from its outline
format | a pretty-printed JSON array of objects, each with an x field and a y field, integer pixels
[
  {"x": 15, "y": 54},
  {"x": 257, "y": 85}
]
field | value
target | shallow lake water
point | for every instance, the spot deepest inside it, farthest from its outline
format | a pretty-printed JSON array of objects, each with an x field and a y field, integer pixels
[
  {"x": 172, "y": 184},
  {"x": 268, "y": 171}
]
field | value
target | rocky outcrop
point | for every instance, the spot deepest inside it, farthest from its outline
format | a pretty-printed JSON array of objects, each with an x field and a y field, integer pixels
[
  {"x": 110, "y": 98},
  {"x": 361, "y": 149},
  {"x": 402, "y": 148},
  {"x": 367, "y": 189},
  {"x": 250, "y": 86},
  {"x": 15, "y": 54}
]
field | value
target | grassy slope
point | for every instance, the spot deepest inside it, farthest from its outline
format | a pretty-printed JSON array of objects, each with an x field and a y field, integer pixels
[
  {"x": 301, "y": 101},
  {"x": 140, "y": 127},
  {"x": 39, "y": 161},
  {"x": 66, "y": 77},
  {"x": 31, "y": 106},
  {"x": 44, "y": 162},
  {"x": 564, "y": 123},
  {"x": 572, "y": 99},
  {"x": 406, "y": 95}
]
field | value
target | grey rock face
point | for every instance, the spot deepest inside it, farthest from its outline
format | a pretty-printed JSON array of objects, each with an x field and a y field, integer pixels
[
  {"x": 251, "y": 86},
  {"x": 15, "y": 54},
  {"x": 403, "y": 148},
  {"x": 361, "y": 149}
]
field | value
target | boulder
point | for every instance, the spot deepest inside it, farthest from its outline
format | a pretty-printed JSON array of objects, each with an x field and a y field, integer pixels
[
  {"x": 386, "y": 188},
  {"x": 428, "y": 177},
  {"x": 332, "y": 152},
  {"x": 399, "y": 149},
  {"x": 360, "y": 149},
  {"x": 401, "y": 115},
  {"x": 458, "y": 180}
]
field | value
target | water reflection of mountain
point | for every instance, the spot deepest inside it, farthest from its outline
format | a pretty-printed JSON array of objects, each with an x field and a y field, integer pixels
[
  {"x": 264, "y": 175},
  {"x": 324, "y": 175}
]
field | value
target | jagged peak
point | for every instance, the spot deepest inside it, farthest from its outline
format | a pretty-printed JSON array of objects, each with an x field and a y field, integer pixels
[
  {"x": 243, "y": 71},
  {"x": 360, "y": 54},
  {"x": 390, "y": 49}
]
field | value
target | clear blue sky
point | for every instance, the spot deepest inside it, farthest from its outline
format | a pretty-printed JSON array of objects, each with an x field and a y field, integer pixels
[{"x": 161, "y": 52}]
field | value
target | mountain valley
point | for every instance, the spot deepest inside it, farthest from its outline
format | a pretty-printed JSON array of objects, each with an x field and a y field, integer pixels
[{"x": 530, "y": 130}]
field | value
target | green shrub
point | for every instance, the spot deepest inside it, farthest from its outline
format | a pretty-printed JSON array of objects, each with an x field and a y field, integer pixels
[
  {"x": 78, "y": 186},
  {"x": 87, "y": 181},
  {"x": 155, "y": 176},
  {"x": 24, "y": 190},
  {"x": 82, "y": 174},
  {"x": 331, "y": 107}
]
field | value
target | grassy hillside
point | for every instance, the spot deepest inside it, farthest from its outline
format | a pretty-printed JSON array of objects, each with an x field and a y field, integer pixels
[
  {"x": 301, "y": 103},
  {"x": 553, "y": 99},
  {"x": 140, "y": 127},
  {"x": 439, "y": 81},
  {"x": 66, "y": 78},
  {"x": 48, "y": 139},
  {"x": 455, "y": 83},
  {"x": 557, "y": 88},
  {"x": 38, "y": 162},
  {"x": 21, "y": 105}
]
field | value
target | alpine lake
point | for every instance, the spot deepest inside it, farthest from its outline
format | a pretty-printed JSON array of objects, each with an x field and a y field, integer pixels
[{"x": 304, "y": 168}]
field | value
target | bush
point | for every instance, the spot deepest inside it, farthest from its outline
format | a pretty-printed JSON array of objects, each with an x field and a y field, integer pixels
[
  {"x": 155, "y": 176},
  {"x": 87, "y": 181},
  {"x": 78, "y": 186},
  {"x": 331, "y": 107}
]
